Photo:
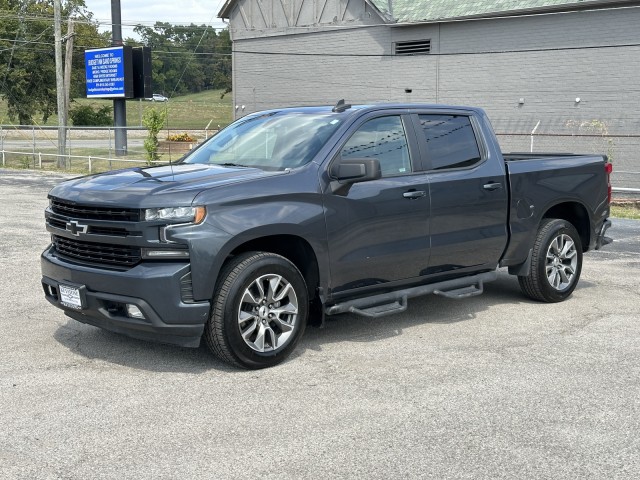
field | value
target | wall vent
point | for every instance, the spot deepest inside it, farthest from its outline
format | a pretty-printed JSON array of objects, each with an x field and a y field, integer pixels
[{"x": 413, "y": 47}]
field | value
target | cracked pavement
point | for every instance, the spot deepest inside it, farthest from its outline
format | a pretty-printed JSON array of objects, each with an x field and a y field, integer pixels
[{"x": 495, "y": 386}]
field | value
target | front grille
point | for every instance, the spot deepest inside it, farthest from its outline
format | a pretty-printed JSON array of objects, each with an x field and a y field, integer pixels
[
  {"x": 95, "y": 230},
  {"x": 57, "y": 223},
  {"x": 100, "y": 254},
  {"x": 112, "y": 232},
  {"x": 94, "y": 213}
]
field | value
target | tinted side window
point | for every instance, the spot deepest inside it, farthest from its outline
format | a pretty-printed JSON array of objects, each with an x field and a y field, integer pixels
[
  {"x": 382, "y": 138},
  {"x": 451, "y": 142}
]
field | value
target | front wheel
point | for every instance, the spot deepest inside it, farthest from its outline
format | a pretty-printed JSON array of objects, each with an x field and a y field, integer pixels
[
  {"x": 556, "y": 262},
  {"x": 259, "y": 310}
]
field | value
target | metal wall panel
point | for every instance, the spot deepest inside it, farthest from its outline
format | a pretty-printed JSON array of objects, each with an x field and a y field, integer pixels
[{"x": 258, "y": 18}]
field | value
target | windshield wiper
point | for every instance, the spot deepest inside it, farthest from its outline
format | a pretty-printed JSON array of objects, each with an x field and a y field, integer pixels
[{"x": 228, "y": 164}]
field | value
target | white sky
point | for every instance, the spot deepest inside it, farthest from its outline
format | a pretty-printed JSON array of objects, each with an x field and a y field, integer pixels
[{"x": 147, "y": 12}]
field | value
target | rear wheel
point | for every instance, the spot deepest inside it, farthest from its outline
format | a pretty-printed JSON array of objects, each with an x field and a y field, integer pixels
[
  {"x": 556, "y": 262},
  {"x": 259, "y": 311}
]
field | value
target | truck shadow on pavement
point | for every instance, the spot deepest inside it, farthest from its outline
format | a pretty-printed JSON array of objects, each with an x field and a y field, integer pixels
[
  {"x": 96, "y": 344},
  {"x": 430, "y": 309}
]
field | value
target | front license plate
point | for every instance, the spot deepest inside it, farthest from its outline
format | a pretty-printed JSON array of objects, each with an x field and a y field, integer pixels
[{"x": 70, "y": 297}]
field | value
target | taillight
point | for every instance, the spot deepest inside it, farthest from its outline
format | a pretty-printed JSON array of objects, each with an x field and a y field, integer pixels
[{"x": 608, "y": 168}]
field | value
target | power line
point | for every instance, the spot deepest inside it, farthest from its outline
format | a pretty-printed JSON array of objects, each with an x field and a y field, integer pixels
[
  {"x": 83, "y": 47},
  {"x": 105, "y": 23},
  {"x": 348, "y": 55},
  {"x": 26, "y": 42},
  {"x": 309, "y": 28},
  {"x": 437, "y": 54},
  {"x": 189, "y": 62}
]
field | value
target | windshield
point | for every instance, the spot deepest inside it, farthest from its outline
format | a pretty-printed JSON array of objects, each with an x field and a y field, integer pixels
[{"x": 271, "y": 141}]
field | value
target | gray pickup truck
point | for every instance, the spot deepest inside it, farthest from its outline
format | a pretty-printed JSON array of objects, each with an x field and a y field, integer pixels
[{"x": 289, "y": 215}]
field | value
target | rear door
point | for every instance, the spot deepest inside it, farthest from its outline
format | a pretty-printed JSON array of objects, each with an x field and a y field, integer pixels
[
  {"x": 378, "y": 231},
  {"x": 468, "y": 193}
]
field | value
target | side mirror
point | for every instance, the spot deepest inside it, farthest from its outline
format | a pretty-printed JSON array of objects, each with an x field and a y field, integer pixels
[{"x": 355, "y": 170}]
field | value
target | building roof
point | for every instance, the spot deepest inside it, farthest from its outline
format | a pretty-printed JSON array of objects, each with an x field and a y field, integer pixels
[{"x": 409, "y": 11}]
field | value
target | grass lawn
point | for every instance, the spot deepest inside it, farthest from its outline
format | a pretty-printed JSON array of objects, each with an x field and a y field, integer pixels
[
  {"x": 630, "y": 210},
  {"x": 186, "y": 112}
]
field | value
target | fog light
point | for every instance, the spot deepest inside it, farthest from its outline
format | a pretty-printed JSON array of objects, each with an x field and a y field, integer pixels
[
  {"x": 134, "y": 312},
  {"x": 167, "y": 253}
]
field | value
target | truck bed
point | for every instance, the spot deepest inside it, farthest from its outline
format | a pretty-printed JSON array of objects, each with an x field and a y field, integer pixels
[{"x": 539, "y": 181}]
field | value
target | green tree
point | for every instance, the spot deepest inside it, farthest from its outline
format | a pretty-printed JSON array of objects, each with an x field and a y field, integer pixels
[
  {"x": 87, "y": 36},
  {"x": 86, "y": 115},
  {"x": 27, "y": 63},
  {"x": 188, "y": 59}
]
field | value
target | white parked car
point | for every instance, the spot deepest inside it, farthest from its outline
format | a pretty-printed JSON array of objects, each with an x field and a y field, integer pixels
[{"x": 159, "y": 98}]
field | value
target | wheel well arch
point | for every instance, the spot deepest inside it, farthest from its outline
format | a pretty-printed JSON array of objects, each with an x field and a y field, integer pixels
[
  {"x": 576, "y": 214},
  {"x": 292, "y": 247}
]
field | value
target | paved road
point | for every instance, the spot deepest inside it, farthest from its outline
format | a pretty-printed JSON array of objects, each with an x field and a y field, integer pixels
[{"x": 491, "y": 387}]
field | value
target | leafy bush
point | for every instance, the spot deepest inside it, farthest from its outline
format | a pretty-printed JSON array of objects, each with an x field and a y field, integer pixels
[
  {"x": 154, "y": 121},
  {"x": 86, "y": 116}
]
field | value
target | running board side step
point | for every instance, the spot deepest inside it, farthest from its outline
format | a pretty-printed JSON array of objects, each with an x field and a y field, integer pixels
[
  {"x": 464, "y": 292},
  {"x": 382, "y": 310},
  {"x": 395, "y": 302}
]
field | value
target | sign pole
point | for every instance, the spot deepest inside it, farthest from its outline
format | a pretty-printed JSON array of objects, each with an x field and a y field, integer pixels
[{"x": 119, "y": 104}]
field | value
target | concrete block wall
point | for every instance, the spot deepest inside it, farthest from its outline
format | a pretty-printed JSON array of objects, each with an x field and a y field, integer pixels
[
  {"x": 479, "y": 62},
  {"x": 321, "y": 68},
  {"x": 547, "y": 60},
  {"x": 564, "y": 63}
]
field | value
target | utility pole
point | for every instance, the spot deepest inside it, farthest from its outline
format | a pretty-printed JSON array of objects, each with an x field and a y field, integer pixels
[
  {"x": 68, "y": 61},
  {"x": 62, "y": 114},
  {"x": 119, "y": 104}
]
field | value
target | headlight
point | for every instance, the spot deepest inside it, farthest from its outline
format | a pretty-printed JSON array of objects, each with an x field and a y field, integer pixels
[{"x": 176, "y": 214}]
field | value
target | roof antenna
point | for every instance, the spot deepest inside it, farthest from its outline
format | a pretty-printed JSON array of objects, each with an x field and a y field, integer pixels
[{"x": 340, "y": 107}]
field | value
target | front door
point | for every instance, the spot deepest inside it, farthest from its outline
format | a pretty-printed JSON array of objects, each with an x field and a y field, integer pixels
[{"x": 378, "y": 231}]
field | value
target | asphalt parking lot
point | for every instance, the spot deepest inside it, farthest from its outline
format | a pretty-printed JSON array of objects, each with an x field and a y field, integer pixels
[{"x": 495, "y": 386}]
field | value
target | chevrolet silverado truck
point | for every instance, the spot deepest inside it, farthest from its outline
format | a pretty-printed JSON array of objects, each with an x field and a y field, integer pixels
[{"x": 290, "y": 215}]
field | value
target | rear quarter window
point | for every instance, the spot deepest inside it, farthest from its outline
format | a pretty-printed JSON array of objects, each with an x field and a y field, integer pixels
[{"x": 451, "y": 141}]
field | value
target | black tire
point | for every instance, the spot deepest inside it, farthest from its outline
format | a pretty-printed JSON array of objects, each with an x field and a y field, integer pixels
[
  {"x": 554, "y": 273},
  {"x": 247, "y": 327}
]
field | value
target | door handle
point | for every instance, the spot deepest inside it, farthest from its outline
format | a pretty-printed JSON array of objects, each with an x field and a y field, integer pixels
[
  {"x": 492, "y": 186},
  {"x": 413, "y": 194}
]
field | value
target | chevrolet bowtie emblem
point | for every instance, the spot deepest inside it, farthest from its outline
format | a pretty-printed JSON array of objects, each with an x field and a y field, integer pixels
[{"x": 76, "y": 228}]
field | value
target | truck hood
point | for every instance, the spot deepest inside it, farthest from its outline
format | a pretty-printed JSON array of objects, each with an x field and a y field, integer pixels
[{"x": 153, "y": 186}]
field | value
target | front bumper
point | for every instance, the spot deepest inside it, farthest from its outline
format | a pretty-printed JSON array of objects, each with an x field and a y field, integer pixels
[{"x": 154, "y": 288}]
